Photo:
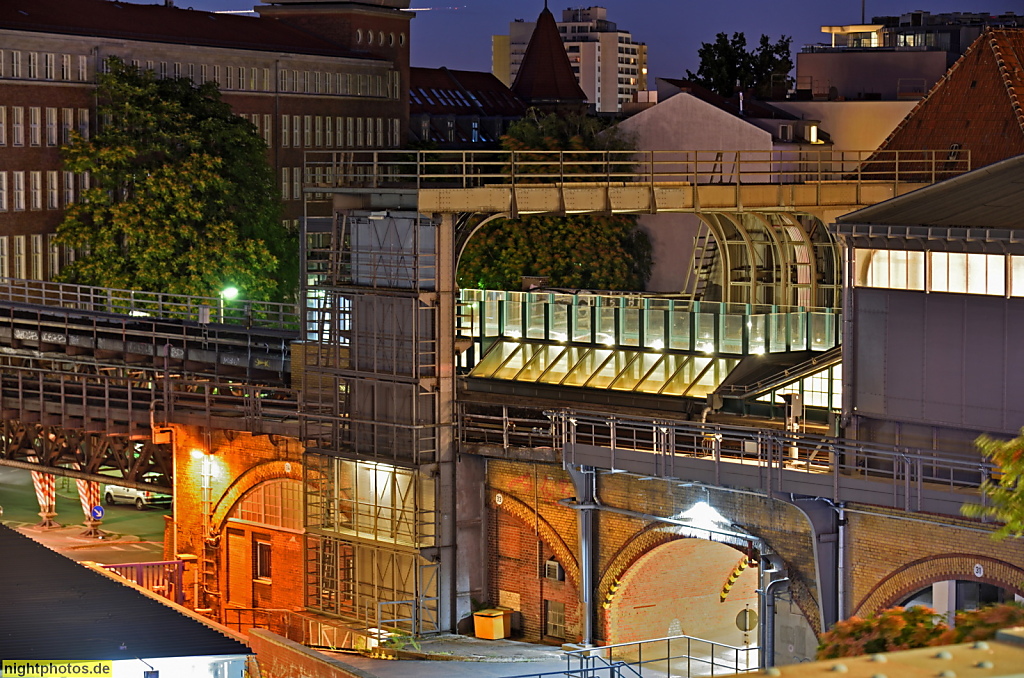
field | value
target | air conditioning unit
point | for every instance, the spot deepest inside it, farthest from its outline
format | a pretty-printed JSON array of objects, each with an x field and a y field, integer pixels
[{"x": 553, "y": 571}]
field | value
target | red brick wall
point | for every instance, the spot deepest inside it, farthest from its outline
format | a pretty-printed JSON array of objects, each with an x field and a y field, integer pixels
[
  {"x": 282, "y": 658},
  {"x": 890, "y": 558},
  {"x": 240, "y": 461}
]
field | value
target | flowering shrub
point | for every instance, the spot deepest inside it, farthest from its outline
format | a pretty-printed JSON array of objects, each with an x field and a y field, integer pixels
[{"x": 903, "y": 629}]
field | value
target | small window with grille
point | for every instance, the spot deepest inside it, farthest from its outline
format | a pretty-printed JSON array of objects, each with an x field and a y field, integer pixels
[
  {"x": 554, "y": 619},
  {"x": 553, "y": 571}
]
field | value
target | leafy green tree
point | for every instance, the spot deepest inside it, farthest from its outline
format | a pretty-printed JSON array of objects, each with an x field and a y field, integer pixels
[
  {"x": 580, "y": 251},
  {"x": 1004, "y": 492},
  {"x": 726, "y": 64},
  {"x": 181, "y": 198}
]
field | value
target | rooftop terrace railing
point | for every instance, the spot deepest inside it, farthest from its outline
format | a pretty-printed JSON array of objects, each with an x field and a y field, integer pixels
[
  {"x": 670, "y": 656},
  {"x": 416, "y": 170},
  {"x": 200, "y": 309}
]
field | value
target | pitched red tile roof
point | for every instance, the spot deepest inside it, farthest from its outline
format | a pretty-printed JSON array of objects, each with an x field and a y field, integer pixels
[
  {"x": 545, "y": 77},
  {"x": 975, "y": 107},
  {"x": 441, "y": 91},
  {"x": 157, "y": 23}
]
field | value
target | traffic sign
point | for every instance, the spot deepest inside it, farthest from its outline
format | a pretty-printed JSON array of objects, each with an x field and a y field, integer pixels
[{"x": 97, "y": 512}]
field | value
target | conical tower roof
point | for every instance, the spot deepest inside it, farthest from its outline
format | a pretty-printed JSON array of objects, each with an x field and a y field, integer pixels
[{"x": 545, "y": 77}]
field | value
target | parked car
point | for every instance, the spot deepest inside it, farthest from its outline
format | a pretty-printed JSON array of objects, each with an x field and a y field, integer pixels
[{"x": 113, "y": 494}]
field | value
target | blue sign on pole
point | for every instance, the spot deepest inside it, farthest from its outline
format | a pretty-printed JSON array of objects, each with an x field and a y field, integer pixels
[{"x": 97, "y": 513}]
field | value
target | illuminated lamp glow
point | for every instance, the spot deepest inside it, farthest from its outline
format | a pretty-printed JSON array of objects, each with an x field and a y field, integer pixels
[
  {"x": 197, "y": 453},
  {"x": 702, "y": 515},
  {"x": 657, "y": 344}
]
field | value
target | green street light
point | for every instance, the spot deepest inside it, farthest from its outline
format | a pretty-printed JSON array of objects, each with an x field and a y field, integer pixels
[{"x": 229, "y": 293}]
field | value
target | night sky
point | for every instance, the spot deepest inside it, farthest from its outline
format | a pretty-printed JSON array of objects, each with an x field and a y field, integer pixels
[{"x": 458, "y": 34}]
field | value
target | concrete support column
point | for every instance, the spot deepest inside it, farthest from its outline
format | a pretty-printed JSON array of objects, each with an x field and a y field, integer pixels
[
  {"x": 584, "y": 480},
  {"x": 449, "y": 605},
  {"x": 944, "y": 599}
]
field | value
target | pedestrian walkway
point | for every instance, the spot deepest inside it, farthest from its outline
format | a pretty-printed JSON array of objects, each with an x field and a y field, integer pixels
[{"x": 109, "y": 548}]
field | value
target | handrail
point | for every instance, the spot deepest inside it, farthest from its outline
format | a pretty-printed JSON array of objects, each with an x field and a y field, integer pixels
[
  {"x": 143, "y": 304},
  {"x": 660, "y": 653},
  {"x": 418, "y": 170}
]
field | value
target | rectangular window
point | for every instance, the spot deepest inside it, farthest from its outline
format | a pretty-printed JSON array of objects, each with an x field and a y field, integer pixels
[
  {"x": 52, "y": 190},
  {"x": 295, "y": 81},
  {"x": 35, "y": 122},
  {"x": 33, "y": 65},
  {"x": 3, "y": 191},
  {"x": 305, "y": 82},
  {"x": 318, "y": 82},
  {"x": 216, "y": 75},
  {"x": 286, "y": 134},
  {"x": 51, "y": 126},
  {"x": 192, "y": 72},
  {"x": 149, "y": 66},
  {"x": 18, "y": 257},
  {"x": 380, "y": 132},
  {"x": 297, "y": 183},
  {"x": 177, "y": 69},
  {"x": 318, "y": 132},
  {"x": 282, "y": 81},
  {"x": 328, "y": 133},
  {"x": 297, "y": 131},
  {"x": 163, "y": 69},
  {"x": 230, "y": 72},
  {"x": 267, "y": 82},
  {"x": 3, "y": 57},
  {"x": 554, "y": 619},
  {"x": 254, "y": 79},
  {"x": 83, "y": 122},
  {"x": 18, "y": 126},
  {"x": 285, "y": 183},
  {"x": 350, "y": 132},
  {"x": 19, "y": 191},
  {"x": 203, "y": 72},
  {"x": 69, "y": 188},
  {"x": 65, "y": 67},
  {"x": 5, "y": 260},
  {"x": 54, "y": 251},
  {"x": 339, "y": 127},
  {"x": 35, "y": 193},
  {"x": 268, "y": 129},
  {"x": 15, "y": 64},
  {"x": 83, "y": 183},
  {"x": 3, "y": 125},
  {"x": 83, "y": 68},
  {"x": 261, "y": 560},
  {"x": 307, "y": 131},
  {"x": 68, "y": 122},
  {"x": 360, "y": 124},
  {"x": 49, "y": 66},
  {"x": 37, "y": 258}
]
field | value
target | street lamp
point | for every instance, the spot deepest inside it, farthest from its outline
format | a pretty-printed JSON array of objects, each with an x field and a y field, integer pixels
[{"x": 227, "y": 294}]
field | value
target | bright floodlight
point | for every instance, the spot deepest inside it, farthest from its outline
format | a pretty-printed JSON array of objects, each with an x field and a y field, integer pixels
[
  {"x": 702, "y": 515},
  {"x": 229, "y": 293}
]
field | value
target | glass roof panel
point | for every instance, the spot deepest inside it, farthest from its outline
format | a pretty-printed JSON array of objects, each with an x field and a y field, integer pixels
[
  {"x": 542, "y": 358},
  {"x": 560, "y": 366},
  {"x": 611, "y": 369},
  {"x": 515, "y": 362},
  {"x": 588, "y": 364},
  {"x": 709, "y": 380},
  {"x": 631, "y": 377},
  {"x": 494, "y": 358},
  {"x": 688, "y": 371},
  {"x": 662, "y": 372}
]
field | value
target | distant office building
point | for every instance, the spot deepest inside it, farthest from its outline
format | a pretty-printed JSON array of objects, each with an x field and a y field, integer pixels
[
  {"x": 609, "y": 66},
  {"x": 322, "y": 75},
  {"x": 892, "y": 57}
]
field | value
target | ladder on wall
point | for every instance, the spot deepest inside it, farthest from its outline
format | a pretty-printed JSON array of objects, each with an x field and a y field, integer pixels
[{"x": 702, "y": 265}]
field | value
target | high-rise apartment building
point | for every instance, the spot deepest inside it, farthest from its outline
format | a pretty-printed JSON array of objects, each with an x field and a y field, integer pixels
[{"x": 610, "y": 67}]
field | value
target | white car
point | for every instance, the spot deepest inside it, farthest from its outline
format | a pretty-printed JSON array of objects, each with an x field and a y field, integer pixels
[{"x": 113, "y": 494}]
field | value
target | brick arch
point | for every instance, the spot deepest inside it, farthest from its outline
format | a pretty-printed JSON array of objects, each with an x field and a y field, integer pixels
[
  {"x": 527, "y": 515},
  {"x": 918, "y": 574},
  {"x": 271, "y": 470}
]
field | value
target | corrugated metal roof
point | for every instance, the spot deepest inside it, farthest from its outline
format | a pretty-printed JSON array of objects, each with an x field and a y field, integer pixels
[
  {"x": 988, "y": 198},
  {"x": 54, "y": 608},
  {"x": 157, "y": 23}
]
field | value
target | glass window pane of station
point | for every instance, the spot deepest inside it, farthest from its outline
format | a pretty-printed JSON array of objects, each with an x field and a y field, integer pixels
[
  {"x": 630, "y": 377},
  {"x": 662, "y": 371},
  {"x": 680, "y": 336},
  {"x": 611, "y": 368},
  {"x": 711, "y": 378},
  {"x": 562, "y": 364},
  {"x": 516, "y": 362},
  {"x": 757, "y": 342},
  {"x": 586, "y": 366},
  {"x": 688, "y": 372},
  {"x": 494, "y": 358},
  {"x": 540, "y": 361}
]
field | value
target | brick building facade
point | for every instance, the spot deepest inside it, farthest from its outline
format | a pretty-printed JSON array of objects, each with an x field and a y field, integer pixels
[{"x": 324, "y": 76}]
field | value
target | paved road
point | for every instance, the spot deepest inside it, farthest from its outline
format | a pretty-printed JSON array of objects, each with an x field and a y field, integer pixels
[
  {"x": 452, "y": 669},
  {"x": 21, "y": 511}
]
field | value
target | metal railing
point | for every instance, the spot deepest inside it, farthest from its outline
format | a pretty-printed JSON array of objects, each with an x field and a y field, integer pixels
[
  {"x": 672, "y": 656},
  {"x": 468, "y": 169},
  {"x": 310, "y": 630},
  {"x": 908, "y": 470},
  {"x": 164, "y": 578},
  {"x": 138, "y": 303}
]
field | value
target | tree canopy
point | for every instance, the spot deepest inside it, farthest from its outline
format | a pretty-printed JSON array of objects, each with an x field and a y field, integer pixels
[
  {"x": 1004, "y": 492},
  {"x": 726, "y": 64},
  {"x": 181, "y": 198},
  {"x": 579, "y": 251}
]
